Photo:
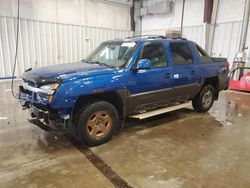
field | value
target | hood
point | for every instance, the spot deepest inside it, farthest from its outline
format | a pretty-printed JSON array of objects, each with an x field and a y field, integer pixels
[{"x": 51, "y": 74}]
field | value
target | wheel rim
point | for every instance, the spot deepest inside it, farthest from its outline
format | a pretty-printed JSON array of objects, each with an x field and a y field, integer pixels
[
  {"x": 207, "y": 99},
  {"x": 99, "y": 125}
]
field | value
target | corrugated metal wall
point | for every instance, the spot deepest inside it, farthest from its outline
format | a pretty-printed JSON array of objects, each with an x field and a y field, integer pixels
[
  {"x": 227, "y": 40},
  {"x": 195, "y": 33},
  {"x": 46, "y": 43},
  {"x": 227, "y": 29}
]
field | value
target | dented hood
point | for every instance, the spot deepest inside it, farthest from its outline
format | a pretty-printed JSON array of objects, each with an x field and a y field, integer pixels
[{"x": 51, "y": 74}]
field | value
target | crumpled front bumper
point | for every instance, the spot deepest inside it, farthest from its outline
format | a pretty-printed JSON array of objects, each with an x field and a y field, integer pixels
[{"x": 39, "y": 109}]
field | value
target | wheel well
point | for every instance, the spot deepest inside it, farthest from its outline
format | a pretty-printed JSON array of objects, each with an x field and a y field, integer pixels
[
  {"x": 214, "y": 81},
  {"x": 111, "y": 97}
]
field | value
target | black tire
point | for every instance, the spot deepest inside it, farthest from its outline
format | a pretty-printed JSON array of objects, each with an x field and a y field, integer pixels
[
  {"x": 204, "y": 101},
  {"x": 95, "y": 118}
]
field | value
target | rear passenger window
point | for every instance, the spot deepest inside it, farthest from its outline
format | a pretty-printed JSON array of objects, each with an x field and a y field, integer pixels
[
  {"x": 155, "y": 53},
  {"x": 204, "y": 57},
  {"x": 181, "y": 54}
]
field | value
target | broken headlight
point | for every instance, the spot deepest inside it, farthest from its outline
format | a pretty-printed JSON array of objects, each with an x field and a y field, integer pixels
[{"x": 50, "y": 88}]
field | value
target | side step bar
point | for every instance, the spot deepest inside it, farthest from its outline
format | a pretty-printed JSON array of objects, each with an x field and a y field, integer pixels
[{"x": 161, "y": 111}]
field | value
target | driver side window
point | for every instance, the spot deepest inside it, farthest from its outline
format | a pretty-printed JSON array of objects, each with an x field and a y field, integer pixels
[{"x": 155, "y": 53}]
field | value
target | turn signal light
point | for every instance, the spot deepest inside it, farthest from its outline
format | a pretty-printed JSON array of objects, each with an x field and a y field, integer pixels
[{"x": 50, "y": 97}]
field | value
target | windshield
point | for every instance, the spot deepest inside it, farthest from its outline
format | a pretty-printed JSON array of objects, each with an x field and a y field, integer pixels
[{"x": 112, "y": 54}]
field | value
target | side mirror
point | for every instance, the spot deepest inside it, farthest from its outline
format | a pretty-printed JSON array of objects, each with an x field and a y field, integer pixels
[{"x": 143, "y": 64}]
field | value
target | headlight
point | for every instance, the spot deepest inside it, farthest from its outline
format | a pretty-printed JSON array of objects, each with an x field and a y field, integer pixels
[{"x": 50, "y": 88}]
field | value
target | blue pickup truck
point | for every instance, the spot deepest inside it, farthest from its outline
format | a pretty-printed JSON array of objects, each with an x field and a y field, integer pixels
[{"x": 122, "y": 78}]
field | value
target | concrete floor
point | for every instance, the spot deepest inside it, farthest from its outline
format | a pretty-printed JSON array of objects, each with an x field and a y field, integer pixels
[{"x": 177, "y": 149}]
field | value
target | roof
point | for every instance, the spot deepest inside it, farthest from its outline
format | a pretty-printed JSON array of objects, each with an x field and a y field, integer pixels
[{"x": 148, "y": 37}]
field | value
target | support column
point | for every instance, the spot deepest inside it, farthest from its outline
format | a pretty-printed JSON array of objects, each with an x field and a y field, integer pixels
[
  {"x": 137, "y": 17},
  {"x": 210, "y": 27}
]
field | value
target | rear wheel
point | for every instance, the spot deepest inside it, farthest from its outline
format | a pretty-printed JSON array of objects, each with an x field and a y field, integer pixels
[
  {"x": 204, "y": 101},
  {"x": 97, "y": 123}
]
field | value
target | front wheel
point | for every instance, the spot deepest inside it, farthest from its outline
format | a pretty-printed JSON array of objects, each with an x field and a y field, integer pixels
[
  {"x": 97, "y": 123},
  {"x": 204, "y": 101}
]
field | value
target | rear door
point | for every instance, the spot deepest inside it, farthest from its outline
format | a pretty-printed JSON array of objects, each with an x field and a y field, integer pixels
[
  {"x": 184, "y": 70},
  {"x": 153, "y": 87}
]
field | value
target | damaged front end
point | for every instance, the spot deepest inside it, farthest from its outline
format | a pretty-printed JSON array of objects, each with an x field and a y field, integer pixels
[{"x": 37, "y": 99}]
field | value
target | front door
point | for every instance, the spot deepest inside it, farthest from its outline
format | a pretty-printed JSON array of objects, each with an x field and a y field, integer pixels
[{"x": 152, "y": 87}]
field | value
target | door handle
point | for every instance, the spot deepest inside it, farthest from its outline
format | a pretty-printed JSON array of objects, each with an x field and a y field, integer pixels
[
  {"x": 167, "y": 75},
  {"x": 192, "y": 72}
]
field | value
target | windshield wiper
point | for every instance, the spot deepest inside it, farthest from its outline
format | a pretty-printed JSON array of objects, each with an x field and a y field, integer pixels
[
  {"x": 84, "y": 61},
  {"x": 97, "y": 62}
]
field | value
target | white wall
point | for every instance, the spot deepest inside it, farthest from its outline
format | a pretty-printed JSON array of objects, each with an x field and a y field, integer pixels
[
  {"x": 193, "y": 21},
  {"x": 230, "y": 11},
  {"x": 58, "y": 31},
  {"x": 164, "y": 22},
  {"x": 97, "y": 13},
  {"x": 227, "y": 30}
]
